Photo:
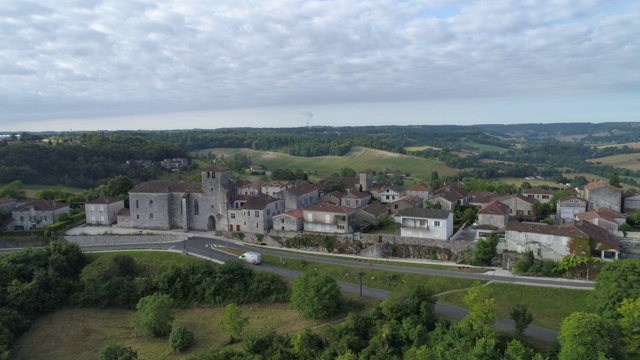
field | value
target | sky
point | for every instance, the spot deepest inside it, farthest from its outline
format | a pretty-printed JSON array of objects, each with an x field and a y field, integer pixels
[{"x": 175, "y": 64}]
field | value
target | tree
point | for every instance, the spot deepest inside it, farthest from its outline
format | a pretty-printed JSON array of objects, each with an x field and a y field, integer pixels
[
  {"x": 13, "y": 190},
  {"x": 315, "y": 295},
  {"x": 522, "y": 317},
  {"x": 625, "y": 228},
  {"x": 154, "y": 315},
  {"x": 629, "y": 323},
  {"x": 615, "y": 282},
  {"x": 117, "y": 352},
  {"x": 486, "y": 250},
  {"x": 306, "y": 345},
  {"x": 482, "y": 313},
  {"x": 586, "y": 336},
  {"x": 635, "y": 217},
  {"x": 347, "y": 172},
  {"x": 119, "y": 186},
  {"x": 232, "y": 322},
  {"x": 614, "y": 180},
  {"x": 469, "y": 215},
  {"x": 181, "y": 338}
]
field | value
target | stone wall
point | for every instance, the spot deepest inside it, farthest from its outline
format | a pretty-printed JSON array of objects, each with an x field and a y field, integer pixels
[{"x": 122, "y": 239}]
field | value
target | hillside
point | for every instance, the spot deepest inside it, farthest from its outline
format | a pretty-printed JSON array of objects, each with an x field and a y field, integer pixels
[{"x": 358, "y": 158}]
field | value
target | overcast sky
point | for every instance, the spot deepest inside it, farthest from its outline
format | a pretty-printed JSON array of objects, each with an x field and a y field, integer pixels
[{"x": 182, "y": 64}]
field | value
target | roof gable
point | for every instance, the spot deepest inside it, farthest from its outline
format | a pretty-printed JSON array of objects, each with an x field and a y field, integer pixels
[{"x": 424, "y": 213}]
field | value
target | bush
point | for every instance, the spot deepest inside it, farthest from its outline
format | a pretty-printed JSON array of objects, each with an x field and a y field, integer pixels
[
  {"x": 315, "y": 295},
  {"x": 117, "y": 352},
  {"x": 522, "y": 266},
  {"x": 181, "y": 338}
]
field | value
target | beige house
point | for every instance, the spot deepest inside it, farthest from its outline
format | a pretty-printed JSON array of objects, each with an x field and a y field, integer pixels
[
  {"x": 289, "y": 221},
  {"x": 329, "y": 218},
  {"x": 300, "y": 196},
  {"x": 449, "y": 195},
  {"x": 103, "y": 211},
  {"x": 519, "y": 206},
  {"x": 369, "y": 216},
  {"x": 406, "y": 202},
  {"x": 420, "y": 190},
  {"x": 390, "y": 194},
  {"x": 494, "y": 214},
  {"x": 355, "y": 199},
  {"x": 246, "y": 187}
]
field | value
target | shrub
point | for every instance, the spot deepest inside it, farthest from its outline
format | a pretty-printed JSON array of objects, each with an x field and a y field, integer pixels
[
  {"x": 117, "y": 352},
  {"x": 181, "y": 338},
  {"x": 522, "y": 266}
]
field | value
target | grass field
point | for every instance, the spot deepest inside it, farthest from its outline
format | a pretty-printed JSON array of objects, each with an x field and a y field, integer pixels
[
  {"x": 549, "y": 306},
  {"x": 633, "y": 145},
  {"x": 518, "y": 182},
  {"x": 418, "y": 148},
  {"x": 358, "y": 159},
  {"x": 483, "y": 147},
  {"x": 625, "y": 161},
  {"x": 31, "y": 190}
]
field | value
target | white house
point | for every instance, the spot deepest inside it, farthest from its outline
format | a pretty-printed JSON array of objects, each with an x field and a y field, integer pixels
[
  {"x": 103, "y": 211},
  {"x": 568, "y": 207},
  {"x": 425, "y": 223},
  {"x": 330, "y": 218}
]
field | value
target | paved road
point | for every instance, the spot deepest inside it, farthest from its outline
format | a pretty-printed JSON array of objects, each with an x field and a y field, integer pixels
[{"x": 196, "y": 246}]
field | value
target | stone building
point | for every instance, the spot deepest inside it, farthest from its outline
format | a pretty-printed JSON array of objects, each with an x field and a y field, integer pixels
[
  {"x": 103, "y": 211},
  {"x": 37, "y": 214},
  {"x": 256, "y": 215},
  {"x": 600, "y": 194},
  {"x": 289, "y": 221},
  {"x": 185, "y": 205}
]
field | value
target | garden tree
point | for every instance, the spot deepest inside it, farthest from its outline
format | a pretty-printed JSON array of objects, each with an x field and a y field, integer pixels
[
  {"x": 109, "y": 281},
  {"x": 625, "y": 228},
  {"x": 385, "y": 220},
  {"x": 522, "y": 317},
  {"x": 486, "y": 250},
  {"x": 181, "y": 339},
  {"x": 333, "y": 185},
  {"x": 482, "y": 313},
  {"x": 525, "y": 186},
  {"x": 119, "y": 187},
  {"x": 586, "y": 336},
  {"x": 307, "y": 345},
  {"x": 417, "y": 305},
  {"x": 315, "y": 295},
  {"x": 536, "y": 207},
  {"x": 13, "y": 190},
  {"x": 629, "y": 323},
  {"x": 615, "y": 282},
  {"x": 579, "y": 181},
  {"x": 518, "y": 351},
  {"x": 469, "y": 215},
  {"x": 347, "y": 172},
  {"x": 154, "y": 315},
  {"x": 117, "y": 352},
  {"x": 614, "y": 180},
  {"x": 232, "y": 322},
  {"x": 635, "y": 217}
]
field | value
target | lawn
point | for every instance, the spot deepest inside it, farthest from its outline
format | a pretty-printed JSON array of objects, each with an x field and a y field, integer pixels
[
  {"x": 358, "y": 158},
  {"x": 625, "y": 161},
  {"x": 32, "y": 189},
  {"x": 534, "y": 182},
  {"x": 549, "y": 306}
]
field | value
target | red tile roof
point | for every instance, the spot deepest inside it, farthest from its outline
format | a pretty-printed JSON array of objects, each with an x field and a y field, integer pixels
[
  {"x": 420, "y": 187},
  {"x": 42, "y": 205},
  {"x": 330, "y": 207},
  {"x": 296, "y": 214}
]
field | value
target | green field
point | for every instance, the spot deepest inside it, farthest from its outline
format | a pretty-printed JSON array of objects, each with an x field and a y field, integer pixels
[
  {"x": 549, "y": 306},
  {"x": 625, "y": 161},
  {"x": 32, "y": 189},
  {"x": 483, "y": 147},
  {"x": 358, "y": 159}
]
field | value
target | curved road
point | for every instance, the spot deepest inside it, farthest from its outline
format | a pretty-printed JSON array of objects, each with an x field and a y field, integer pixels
[{"x": 196, "y": 246}]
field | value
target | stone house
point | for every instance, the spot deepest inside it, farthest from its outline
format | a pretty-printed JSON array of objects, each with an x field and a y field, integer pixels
[
  {"x": 123, "y": 218},
  {"x": 600, "y": 194},
  {"x": 390, "y": 194},
  {"x": 631, "y": 202},
  {"x": 187, "y": 205},
  {"x": 567, "y": 207},
  {"x": 542, "y": 195},
  {"x": 329, "y": 218},
  {"x": 103, "y": 211},
  {"x": 494, "y": 214},
  {"x": 605, "y": 218},
  {"x": 369, "y": 215},
  {"x": 350, "y": 184},
  {"x": 272, "y": 187},
  {"x": 7, "y": 205},
  {"x": 519, "y": 206},
  {"x": 289, "y": 221},
  {"x": 420, "y": 190},
  {"x": 334, "y": 197},
  {"x": 256, "y": 215},
  {"x": 481, "y": 199},
  {"x": 555, "y": 241},
  {"x": 355, "y": 200},
  {"x": 406, "y": 202},
  {"x": 449, "y": 195},
  {"x": 300, "y": 196},
  {"x": 37, "y": 214},
  {"x": 425, "y": 223},
  {"x": 246, "y": 187}
]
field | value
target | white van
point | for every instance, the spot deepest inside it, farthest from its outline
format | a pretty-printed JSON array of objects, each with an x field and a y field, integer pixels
[{"x": 251, "y": 258}]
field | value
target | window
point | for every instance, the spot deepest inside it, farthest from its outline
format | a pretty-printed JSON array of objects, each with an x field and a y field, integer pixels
[
  {"x": 268, "y": 211},
  {"x": 137, "y": 216},
  {"x": 196, "y": 208},
  {"x": 257, "y": 213},
  {"x": 233, "y": 215},
  {"x": 150, "y": 202},
  {"x": 545, "y": 196},
  {"x": 347, "y": 202},
  {"x": 93, "y": 208},
  {"x": 137, "y": 204},
  {"x": 423, "y": 222},
  {"x": 45, "y": 218},
  {"x": 340, "y": 227},
  {"x": 151, "y": 216},
  {"x": 21, "y": 219},
  {"x": 102, "y": 208},
  {"x": 436, "y": 223},
  {"x": 395, "y": 207}
]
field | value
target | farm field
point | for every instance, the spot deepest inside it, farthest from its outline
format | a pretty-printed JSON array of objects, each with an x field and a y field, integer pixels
[
  {"x": 483, "y": 147},
  {"x": 358, "y": 158},
  {"x": 633, "y": 145},
  {"x": 518, "y": 182},
  {"x": 32, "y": 189},
  {"x": 625, "y": 161}
]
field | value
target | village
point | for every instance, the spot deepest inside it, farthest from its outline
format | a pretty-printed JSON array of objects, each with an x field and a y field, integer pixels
[{"x": 283, "y": 209}]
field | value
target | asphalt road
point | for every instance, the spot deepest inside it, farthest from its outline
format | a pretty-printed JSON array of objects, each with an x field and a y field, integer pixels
[{"x": 196, "y": 246}]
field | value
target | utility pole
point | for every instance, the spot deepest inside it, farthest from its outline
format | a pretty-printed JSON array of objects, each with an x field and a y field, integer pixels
[{"x": 360, "y": 275}]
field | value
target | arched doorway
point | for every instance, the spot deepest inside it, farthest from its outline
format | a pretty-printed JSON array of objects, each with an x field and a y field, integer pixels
[{"x": 211, "y": 223}]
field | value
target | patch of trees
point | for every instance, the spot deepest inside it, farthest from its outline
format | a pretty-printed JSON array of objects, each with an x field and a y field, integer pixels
[{"x": 84, "y": 165}]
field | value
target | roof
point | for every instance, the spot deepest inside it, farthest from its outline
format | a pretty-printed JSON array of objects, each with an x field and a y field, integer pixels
[
  {"x": 425, "y": 213},
  {"x": 167, "y": 187},
  {"x": 454, "y": 189},
  {"x": 538, "y": 191},
  {"x": 6, "y": 201},
  {"x": 357, "y": 195},
  {"x": 517, "y": 196},
  {"x": 630, "y": 195},
  {"x": 123, "y": 212},
  {"x": 410, "y": 199},
  {"x": 599, "y": 184},
  {"x": 450, "y": 197},
  {"x": 484, "y": 197},
  {"x": 396, "y": 188},
  {"x": 104, "y": 200},
  {"x": 332, "y": 208},
  {"x": 419, "y": 187},
  {"x": 572, "y": 197},
  {"x": 216, "y": 168},
  {"x": 42, "y": 205},
  {"x": 296, "y": 214},
  {"x": 276, "y": 183},
  {"x": 376, "y": 209},
  {"x": 495, "y": 207},
  {"x": 303, "y": 189},
  {"x": 606, "y": 214},
  {"x": 258, "y": 202}
]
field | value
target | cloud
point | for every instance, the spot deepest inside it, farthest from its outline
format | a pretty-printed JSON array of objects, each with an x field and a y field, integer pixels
[{"x": 136, "y": 56}]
